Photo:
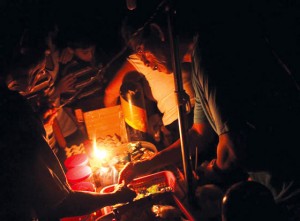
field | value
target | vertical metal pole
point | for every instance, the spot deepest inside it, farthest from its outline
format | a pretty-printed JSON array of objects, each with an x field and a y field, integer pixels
[{"x": 187, "y": 163}]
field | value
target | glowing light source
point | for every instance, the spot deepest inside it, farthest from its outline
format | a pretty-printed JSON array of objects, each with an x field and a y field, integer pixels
[{"x": 101, "y": 154}]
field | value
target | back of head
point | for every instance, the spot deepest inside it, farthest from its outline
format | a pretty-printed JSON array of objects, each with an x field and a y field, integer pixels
[
  {"x": 23, "y": 51},
  {"x": 30, "y": 50},
  {"x": 151, "y": 38},
  {"x": 248, "y": 200},
  {"x": 26, "y": 59},
  {"x": 81, "y": 34}
]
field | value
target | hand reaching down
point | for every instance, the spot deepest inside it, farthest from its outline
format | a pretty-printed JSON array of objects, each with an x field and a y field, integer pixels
[{"x": 124, "y": 194}]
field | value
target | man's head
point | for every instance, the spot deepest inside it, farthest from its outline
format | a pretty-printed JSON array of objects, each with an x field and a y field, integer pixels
[
  {"x": 248, "y": 200},
  {"x": 82, "y": 46},
  {"x": 85, "y": 54},
  {"x": 27, "y": 63},
  {"x": 151, "y": 45},
  {"x": 80, "y": 39}
]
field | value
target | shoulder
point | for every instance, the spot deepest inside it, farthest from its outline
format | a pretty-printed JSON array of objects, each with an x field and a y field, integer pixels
[{"x": 138, "y": 64}]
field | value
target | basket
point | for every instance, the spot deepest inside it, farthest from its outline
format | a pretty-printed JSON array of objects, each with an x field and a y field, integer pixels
[{"x": 165, "y": 178}]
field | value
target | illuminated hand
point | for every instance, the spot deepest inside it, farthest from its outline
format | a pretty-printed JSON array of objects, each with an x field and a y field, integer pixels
[
  {"x": 66, "y": 55},
  {"x": 206, "y": 173},
  {"x": 66, "y": 84},
  {"x": 124, "y": 194},
  {"x": 127, "y": 174},
  {"x": 210, "y": 173},
  {"x": 49, "y": 116}
]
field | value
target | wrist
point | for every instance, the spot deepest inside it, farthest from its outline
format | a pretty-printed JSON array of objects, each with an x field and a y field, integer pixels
[
  {"x": 229, "y": 174},
  {"x": 217, "y": 169},
  {"x": 142, "y": 167}
]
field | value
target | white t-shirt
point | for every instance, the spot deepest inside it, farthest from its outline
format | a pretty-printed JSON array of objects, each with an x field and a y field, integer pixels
[{"x": 163, "y": 89}]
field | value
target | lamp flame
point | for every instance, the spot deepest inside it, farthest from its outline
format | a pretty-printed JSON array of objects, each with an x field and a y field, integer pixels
[{"x": 101, "y": 154}]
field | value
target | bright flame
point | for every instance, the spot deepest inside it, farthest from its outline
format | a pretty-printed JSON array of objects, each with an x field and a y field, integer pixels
[{"x": 101, "y": 154}]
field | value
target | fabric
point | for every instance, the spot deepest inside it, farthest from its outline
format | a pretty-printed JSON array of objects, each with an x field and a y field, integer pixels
[
  {"x": 241, "y": 88},
  {"x": 163, "y": 89},
  {"x": 33, "y": 181},
  {"x": 89, "y": 82},
  {"x": 67, "y": 125}
]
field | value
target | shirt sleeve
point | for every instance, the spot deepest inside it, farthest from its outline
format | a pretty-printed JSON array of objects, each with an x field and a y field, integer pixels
[
  {"x": 199, "y": 115},
  {"x": 51, "y": 184}
]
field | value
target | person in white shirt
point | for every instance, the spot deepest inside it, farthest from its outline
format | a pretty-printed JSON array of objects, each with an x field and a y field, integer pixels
[{"x": 158, "y": 76}]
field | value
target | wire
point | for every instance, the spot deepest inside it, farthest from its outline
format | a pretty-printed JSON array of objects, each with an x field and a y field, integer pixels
[{"x": 283, "y": 65}]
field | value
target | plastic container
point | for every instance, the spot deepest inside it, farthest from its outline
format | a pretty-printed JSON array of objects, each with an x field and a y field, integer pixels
[
  {"x": 106, "y": 176},
  {"x": 76, "y": 161},
  {"x": 164, "y": 178},
  {"x": 79, "y": 174},
  {"x": 84, "y": 186}
]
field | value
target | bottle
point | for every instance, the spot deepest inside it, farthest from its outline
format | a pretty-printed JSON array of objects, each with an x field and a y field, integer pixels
[{"x": 134, "y": 111}]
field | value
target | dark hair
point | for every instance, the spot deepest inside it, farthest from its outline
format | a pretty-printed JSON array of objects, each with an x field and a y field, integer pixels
[
  {"x": 23, "y": 50},
  {"x": 78, "y": 35},
  {"x": 81, "y": 41},
  {"x": 153, "y": 39},
  {"x": 248, "y": 200},
  {"x": 28, "y": 52}
]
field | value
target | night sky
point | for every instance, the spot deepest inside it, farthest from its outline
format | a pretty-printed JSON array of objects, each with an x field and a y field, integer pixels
[
  {"x": 103, "y": 17},
  {"x": 280, "y": 18}
]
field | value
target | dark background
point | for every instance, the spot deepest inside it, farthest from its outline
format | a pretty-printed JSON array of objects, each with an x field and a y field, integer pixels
[
  {"x": 103, "y": 17},
  {"x": 280, "y": 19}
]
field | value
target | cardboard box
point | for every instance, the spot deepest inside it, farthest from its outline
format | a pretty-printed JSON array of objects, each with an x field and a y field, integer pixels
[{"x": 105, "y": 121}]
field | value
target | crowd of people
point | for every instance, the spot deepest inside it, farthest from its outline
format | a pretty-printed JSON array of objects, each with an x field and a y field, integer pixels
[{"x": 242, "y": 108}]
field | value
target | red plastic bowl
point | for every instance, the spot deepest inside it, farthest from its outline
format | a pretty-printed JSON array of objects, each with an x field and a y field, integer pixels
[{"x": 78, "y": 174}]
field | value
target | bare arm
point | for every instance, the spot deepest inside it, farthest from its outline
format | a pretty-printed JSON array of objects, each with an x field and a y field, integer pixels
[
  {"x": 64, "y": 85},
  {"x": 200, "y": 135},
  {"x": 82, "y": 203},
  {"x": 112, "y": 90},
  {"x": 229, "y": 151},
  {"x": 226, "y": 168}
]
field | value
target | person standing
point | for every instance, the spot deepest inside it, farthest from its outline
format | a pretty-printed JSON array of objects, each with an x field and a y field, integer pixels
[
  {"x": 245, "y": 97},
  {"x": 33, "y": 183}
]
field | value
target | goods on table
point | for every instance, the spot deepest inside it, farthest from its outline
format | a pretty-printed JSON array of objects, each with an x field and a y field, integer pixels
[
  {"x": 74, "y": 149},
  {"x": 159, "y": 182},
  {"x": 106, "y": 156}
]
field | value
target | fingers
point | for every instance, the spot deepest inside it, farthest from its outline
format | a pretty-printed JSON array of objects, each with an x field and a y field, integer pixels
[
  {"x": 66, "y": 55},
  {"x": 49, "y": 116},
  {"x": 126, "y": 174},
  {"x": 125, "y": 193},
  {"x": 67, "y": 83},
  {"x": 69, "y": 79},
  {"x": 50, "y": 112}
]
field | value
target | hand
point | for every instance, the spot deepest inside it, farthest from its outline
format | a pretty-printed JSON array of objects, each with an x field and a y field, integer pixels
[
  {"x": 46, "y": 110},
  {"x": 66, "y": 55},
  {"x": 124, "y": 194},
  {"x": 132, "y": 170},
  {"x": 207, "y": 175},
  {"x": 127, "y": 174},
  {"x": 154, "y": 125},
  {"x": 66, "y": 84},
  {"x": 49, "y": 116}
]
